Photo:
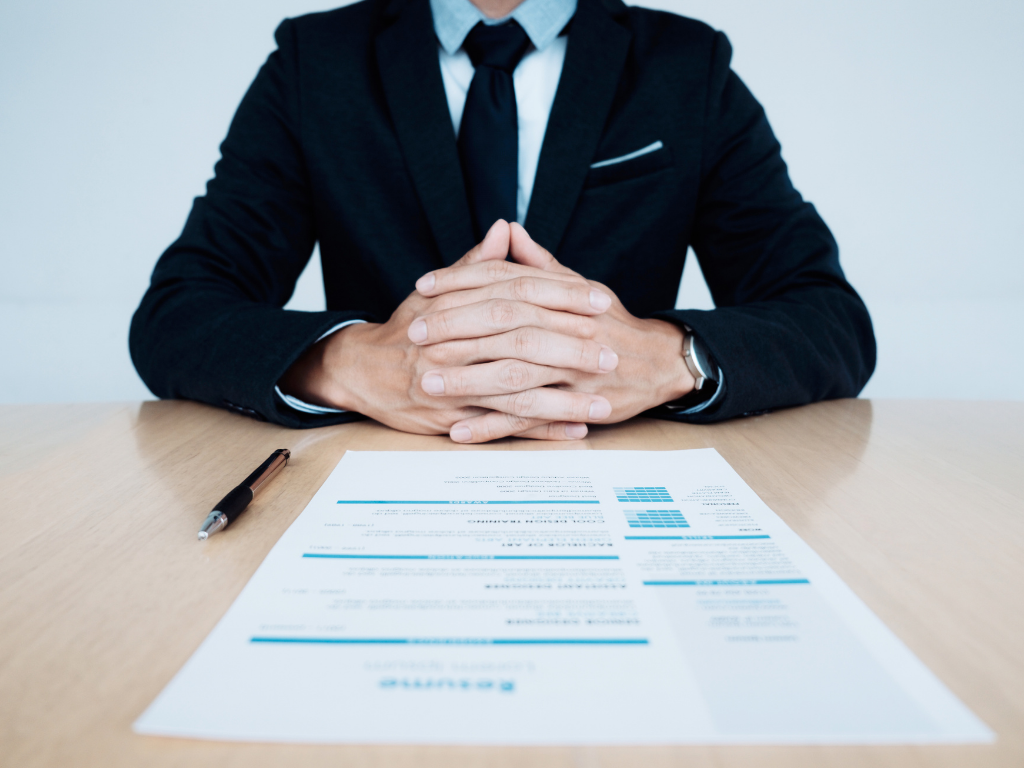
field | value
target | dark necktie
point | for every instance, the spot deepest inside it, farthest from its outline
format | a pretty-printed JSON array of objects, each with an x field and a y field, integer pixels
[{"x": 489, "y": 132}]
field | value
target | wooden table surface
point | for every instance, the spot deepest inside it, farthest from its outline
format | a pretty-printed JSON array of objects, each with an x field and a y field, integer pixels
[{"x": 105, "y": 592}]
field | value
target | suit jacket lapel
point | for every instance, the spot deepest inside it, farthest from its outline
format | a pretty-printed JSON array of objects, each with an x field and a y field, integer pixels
[
  {"x": 408, "y": 64},
  {"x": 594, "y": 58}
]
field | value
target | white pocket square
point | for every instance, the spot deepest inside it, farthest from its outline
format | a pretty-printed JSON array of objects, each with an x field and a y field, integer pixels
[{"x": 631, "y": 156}]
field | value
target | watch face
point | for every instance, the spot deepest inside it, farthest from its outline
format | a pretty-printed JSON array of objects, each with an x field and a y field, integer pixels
[
  {"x": 703, "y": 368},
  {"x": 701, "y": 359}
]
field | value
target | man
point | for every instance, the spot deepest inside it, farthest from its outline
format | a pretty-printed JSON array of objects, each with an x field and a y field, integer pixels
[{"x": 592, "y": 144}]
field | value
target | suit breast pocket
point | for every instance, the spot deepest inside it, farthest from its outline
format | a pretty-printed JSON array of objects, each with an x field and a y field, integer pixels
[{"x": 649, "y": 160}]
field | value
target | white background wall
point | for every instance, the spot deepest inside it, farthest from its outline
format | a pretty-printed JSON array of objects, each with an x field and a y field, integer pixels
[{"x": 901, "y": 120}]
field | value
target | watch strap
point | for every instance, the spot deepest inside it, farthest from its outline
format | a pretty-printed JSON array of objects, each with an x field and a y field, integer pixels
[{"x": 704, "y": 370}]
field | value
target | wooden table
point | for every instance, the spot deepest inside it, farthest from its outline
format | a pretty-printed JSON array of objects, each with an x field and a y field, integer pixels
[{"x": 105, "y": 593}]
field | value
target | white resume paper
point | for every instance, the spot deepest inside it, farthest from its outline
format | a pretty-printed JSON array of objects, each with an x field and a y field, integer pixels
[{"x": 550, "y": 597}]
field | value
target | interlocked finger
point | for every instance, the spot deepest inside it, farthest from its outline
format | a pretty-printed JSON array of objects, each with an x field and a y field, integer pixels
[
  {"x": 531, "y": 345},
  {"x": 548, "y": 404},
  {"x": 465, "y": 276},
  {"x": 497, "y": 378},
  {"x": 493, "y": 316},
  {"x": 494, "y": 426},
  {"x": 562, "y": 295},
  {"x": 555, "y": 430}
]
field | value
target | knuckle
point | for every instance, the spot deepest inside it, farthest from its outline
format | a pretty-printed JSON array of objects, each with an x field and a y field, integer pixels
[
  {"x": 463, "y": 352},
  {"x": 526, "y": 343},
  {"x": 517, "y": 423},
  {"x": 443, "y": 324},
  {"x": 514, "y": 376},
  {"x": 502, "y": 313},
  {"x": 555, "y": 430},
  {"x": 574, "y": 296},
  {"x": 579, "y": 409},
  {"x": 522, "y": 403},
  {"x": 482, "y": 430},
  {"x": 441, "y": 354},
  {"x": 442, "y": 302},
  {"x": 541, "y": 431},
  {"x": 587, "y": 355},
  {"x": 432, "y": 355},
  {"x": 457, "y": 382},
  {"x": 496, "y": 270},
  {"x": 522, "y": 288},
  {"x": 585, "y": 327}
]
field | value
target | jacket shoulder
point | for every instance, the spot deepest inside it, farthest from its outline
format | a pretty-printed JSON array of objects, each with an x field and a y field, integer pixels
[
  {"x": 345, "y": 26},
  {"x": 648, "y": 22},
  {"x": 659, "y": 32}
]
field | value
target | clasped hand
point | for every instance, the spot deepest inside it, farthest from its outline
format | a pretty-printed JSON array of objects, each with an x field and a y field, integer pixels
[{"x": 489, "y": 348}]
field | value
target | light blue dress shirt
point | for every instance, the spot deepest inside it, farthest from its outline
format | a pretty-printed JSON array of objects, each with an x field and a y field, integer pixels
[{"x": 542, "y": 20}]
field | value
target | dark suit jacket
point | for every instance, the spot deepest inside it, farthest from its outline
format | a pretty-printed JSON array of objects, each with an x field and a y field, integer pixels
[{"x": 345, "y": 138}]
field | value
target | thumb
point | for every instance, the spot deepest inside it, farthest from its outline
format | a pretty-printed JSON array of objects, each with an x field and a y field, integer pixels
[
  {"x": 494, "y": 246},
  {"x": 524, "y": 250}
]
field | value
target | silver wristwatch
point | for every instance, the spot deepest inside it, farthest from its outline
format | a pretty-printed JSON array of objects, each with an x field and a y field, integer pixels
[
  {"x": 703, "y": 369},
  {"x": 698, "y": 360}
]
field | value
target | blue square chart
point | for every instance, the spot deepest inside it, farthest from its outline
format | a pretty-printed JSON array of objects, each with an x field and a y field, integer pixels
[
  {"x": 655, "y": 518},
  {"x": 643, "y": 493}
]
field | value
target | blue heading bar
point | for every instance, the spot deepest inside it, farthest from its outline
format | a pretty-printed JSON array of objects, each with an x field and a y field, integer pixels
[
  {"x": 548, "y": 501},
  {"x": 460, "y": 557},
  {"x": 723, "y": 582},
  {"x": 449, "y": 641}
]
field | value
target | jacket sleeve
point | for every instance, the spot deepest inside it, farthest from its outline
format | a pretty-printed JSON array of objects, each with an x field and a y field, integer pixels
[
  {"x": 788, "y": 328},
  {"x": 211, "y": 327}
]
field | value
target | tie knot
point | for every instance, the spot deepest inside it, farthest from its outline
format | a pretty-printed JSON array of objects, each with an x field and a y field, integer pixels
[{"x": 500, "y": 47}]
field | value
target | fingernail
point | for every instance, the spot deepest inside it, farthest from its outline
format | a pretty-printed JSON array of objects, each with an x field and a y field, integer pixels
[
  {"x": 600, "y": 301},
  {"x": 607, "y": 360},
  {"x": 418, "y": 331},
  {"x": 426, "y": 283},
  {"x": 461, "y": 434},
  {"x": 433, "y": 384},
  {"x": 576, "y": 431},
  {"x": 600, "y": 409}
]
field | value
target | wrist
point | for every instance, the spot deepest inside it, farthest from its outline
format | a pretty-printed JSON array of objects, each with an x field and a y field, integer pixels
[
  {"x": 347, "y": 365},
  {"x": 325, "y": 373},
  {"x": 671, "y": 375}
]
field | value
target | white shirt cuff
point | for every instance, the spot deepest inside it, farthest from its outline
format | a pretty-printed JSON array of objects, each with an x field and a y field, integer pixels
[{"x": 304, "y": 407}]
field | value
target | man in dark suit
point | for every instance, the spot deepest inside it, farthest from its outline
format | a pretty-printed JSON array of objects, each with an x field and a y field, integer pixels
[{"x": 424, "y": 142}]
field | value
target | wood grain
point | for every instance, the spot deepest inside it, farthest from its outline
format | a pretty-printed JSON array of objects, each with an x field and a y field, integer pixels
[{"x": 105, "y": 593}]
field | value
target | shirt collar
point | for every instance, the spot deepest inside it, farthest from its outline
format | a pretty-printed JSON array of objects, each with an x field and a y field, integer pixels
[{"x": 542, "y": 20}]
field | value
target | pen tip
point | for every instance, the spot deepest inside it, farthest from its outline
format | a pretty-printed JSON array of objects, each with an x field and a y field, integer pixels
[{"x": 203, "y": 535}]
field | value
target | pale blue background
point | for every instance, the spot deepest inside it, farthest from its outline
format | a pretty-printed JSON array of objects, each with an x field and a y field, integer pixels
[{"x": 901, "y": 120}]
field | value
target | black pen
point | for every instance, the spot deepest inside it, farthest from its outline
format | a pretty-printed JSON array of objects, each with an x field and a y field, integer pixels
[{"x": 231, "y": 506}]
